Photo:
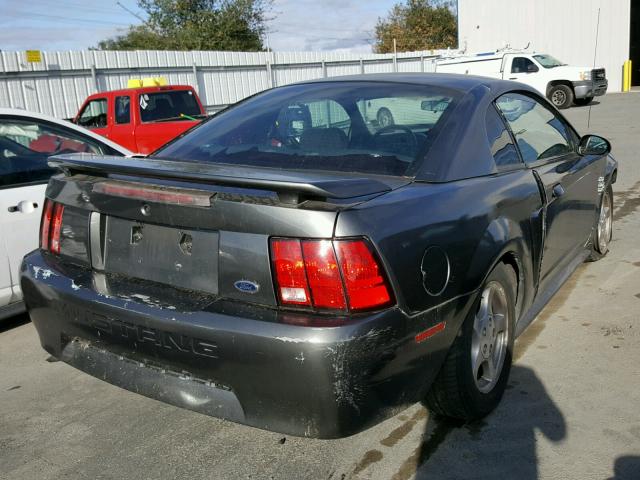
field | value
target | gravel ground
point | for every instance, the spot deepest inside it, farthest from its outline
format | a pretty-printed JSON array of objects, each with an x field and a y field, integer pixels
[{"x": 570, "y": 411}]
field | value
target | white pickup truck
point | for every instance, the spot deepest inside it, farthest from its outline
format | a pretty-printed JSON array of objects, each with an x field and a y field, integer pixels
[{"x": 562, "y": 84}]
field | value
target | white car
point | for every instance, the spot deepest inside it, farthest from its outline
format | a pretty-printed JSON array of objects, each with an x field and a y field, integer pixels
[{"x": 26, "y": 141}]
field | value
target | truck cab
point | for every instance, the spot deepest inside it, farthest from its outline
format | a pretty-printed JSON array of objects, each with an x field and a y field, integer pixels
[
  {"x": 564, "y": 85},
  {"x": 142, "y": 119}
]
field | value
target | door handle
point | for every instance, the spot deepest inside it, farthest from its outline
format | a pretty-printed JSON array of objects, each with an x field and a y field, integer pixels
[
  {"x": 558, "y": 190},
  {"x": 513, "y": 78},
  {"x": 25, "y": 206}
]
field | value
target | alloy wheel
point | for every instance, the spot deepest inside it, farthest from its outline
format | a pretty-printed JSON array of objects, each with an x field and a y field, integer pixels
[
  {"x": 490, "y": 337},
  {"x": 605, "y": 223}
]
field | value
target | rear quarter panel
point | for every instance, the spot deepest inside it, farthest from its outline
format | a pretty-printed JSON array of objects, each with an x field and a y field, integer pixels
[{"x": 474, "y": 221}]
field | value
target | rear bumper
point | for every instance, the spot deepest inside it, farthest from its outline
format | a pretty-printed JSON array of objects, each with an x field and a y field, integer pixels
[
  {"x": 589, "y": 88},
  {"x": 250, "y": 365}
]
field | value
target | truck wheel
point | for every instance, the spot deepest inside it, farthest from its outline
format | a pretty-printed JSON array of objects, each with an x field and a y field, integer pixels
[
  {"x": 474, "y": 375},
  {"x": 583, "y": 101},
  {"x": 604, "y": 227},
  {"x": 385, "y": 118},
  {"x": 561, "y": 96}
]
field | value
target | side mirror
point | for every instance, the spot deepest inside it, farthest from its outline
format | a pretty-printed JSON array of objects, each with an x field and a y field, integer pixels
[
  {"x": 594, "y": 145},
  {"x": 434, "y": 105}
]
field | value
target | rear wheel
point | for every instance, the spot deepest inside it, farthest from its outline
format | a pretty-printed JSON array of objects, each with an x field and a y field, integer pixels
[
  {"x": 475, "y": 373},
  {"x": 385, "y": 118},
  {"x": 583, "y": 101},
  {"x": 604, "y": 227},
  {"x": 561, "y": 96}
]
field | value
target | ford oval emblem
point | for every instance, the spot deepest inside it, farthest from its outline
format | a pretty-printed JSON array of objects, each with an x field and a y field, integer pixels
[{"x": 245, "y": 286}]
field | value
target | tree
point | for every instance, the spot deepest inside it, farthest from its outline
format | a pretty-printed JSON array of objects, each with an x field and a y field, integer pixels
[
  {"x": 417, "y": 25},
  {"x": 195, "y": 25}
]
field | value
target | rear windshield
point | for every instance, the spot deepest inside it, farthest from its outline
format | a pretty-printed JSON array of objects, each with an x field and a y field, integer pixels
[
  {"x": 368, "y": 127},
  {"x": 168, "y": 105}
]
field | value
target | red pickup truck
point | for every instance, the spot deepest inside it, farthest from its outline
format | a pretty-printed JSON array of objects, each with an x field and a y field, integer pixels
[{"x": 142, "y": 119}]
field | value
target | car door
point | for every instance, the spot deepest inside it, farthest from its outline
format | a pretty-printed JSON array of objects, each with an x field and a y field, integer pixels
[
  {"x": 525, "y": 70},
  {"x": 25, "y": 145},
  {"x": 548, "y": 146},
  {"x": 5, "y": 275},
  {"x": 122, "y": 129}
]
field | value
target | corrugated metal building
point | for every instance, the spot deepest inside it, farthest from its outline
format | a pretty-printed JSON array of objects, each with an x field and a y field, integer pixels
[{"x": 565, "y": 29}]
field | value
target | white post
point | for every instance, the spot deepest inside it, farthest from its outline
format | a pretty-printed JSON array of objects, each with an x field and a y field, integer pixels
[{"x": 395, "y": 56}]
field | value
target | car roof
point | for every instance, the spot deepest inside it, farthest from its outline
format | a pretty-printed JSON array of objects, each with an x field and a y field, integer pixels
[
  {"x": 16, "y": 112},
  {"x": 153, "y": 89},
  {"x": 459, "y": 82}
]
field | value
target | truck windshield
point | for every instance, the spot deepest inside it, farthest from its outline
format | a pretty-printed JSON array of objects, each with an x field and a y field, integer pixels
[
  {"x": 367, "y": 127},
  {"x": 547, "y": 61},
  {"x": 168, "y": 105}
]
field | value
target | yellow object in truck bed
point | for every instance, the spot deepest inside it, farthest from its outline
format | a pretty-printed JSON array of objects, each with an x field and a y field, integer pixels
[{"x": 147, "y": 82}]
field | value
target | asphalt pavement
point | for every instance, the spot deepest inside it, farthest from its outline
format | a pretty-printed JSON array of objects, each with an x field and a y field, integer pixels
[{"x": 571, "y": 411}]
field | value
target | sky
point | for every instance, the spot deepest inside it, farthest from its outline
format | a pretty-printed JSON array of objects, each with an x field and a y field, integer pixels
[{"x": 338, "y": 25}]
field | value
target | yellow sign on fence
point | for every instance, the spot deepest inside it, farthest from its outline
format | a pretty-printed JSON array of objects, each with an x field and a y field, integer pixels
[{"x": 34, "y": 56}]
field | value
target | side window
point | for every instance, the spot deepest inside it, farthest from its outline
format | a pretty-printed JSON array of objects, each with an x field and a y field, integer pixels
[
  {"x": 94, "y": 114},
  {"x": 539, "y": 133},
  {"x": 123, "y": 110},
  {"x": 26, "y": 145},
  {"x": 523, "y": 65},
  {"x": 502, "y": 148}
]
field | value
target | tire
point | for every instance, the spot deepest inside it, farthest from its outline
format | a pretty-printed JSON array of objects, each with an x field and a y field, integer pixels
[
  {"x": 385, "y": 118},
  {"x": 604, "y": 227},
  {"x": 457, "y": 391},
  {"x": 583, "y": 101},
  {"x": 561, "y": 96}
]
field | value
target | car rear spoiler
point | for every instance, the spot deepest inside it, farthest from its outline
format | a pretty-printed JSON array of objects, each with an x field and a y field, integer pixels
[{"x": 312, "y": 184}]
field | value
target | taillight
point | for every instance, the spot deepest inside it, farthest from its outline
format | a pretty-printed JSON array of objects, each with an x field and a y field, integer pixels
[
  {"x": 51, "y": 226},
  {"x": 45, "y": 224},
  {"x": 363, "y": 278},
  {"x": 323, "y": 275},
  {"x": 339, "y": 275},
  {"x": 290, "y": 272}
]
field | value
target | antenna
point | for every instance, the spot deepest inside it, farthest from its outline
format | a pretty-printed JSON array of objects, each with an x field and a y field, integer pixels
[{"x": 595, "y": 52}]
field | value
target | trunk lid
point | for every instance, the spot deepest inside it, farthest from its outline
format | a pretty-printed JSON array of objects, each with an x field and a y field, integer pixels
[{"x": 195, "y": 226}]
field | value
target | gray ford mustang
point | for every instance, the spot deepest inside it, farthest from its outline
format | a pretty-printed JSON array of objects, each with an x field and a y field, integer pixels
[{"x": 297, "y": 265}]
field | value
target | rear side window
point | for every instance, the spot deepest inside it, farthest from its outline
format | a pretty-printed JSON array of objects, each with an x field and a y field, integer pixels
[
  {"x": 94, "y": 114},
  {"x": 123, "y": 110},
  {"x": 26, "y": 145},
  {"x": 523, "y": 65},
  {"x": 539, "y": 132},
  {"x": 168, "y": 105},
  {"x": 369, "y": 127},
  {"x": 502, "y": 148}
]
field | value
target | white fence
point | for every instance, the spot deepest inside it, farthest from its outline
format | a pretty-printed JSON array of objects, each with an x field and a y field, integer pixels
[{"x": 62, "y": 80}]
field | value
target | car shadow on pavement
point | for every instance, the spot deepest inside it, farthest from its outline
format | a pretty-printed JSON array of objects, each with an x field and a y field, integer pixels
[
  {"x": 13, "y": 322},
  {"x": 501, "y": 446},
  {"x": 593, "y": 103},
  {"x": 626, "y": 468}
]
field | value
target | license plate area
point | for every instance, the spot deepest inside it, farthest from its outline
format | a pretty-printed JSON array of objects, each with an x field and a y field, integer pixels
[{"x": 179, "y": 257}]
